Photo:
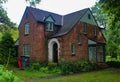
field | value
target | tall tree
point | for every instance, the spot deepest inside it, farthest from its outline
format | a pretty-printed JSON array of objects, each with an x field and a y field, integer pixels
[
  {"x": 112, "y": 9},
  {"x": 7, "y": 50},
  {"x": 99, "y": 15}
]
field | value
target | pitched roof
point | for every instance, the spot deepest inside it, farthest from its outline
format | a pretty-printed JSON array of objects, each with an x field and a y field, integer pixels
[
  {"x": 40, "y": 15},
  {"x": 67, "y": 21}
]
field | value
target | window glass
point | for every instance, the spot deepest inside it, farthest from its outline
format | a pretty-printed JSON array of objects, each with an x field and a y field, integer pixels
[
  {"x": 79, "y": 39},
  {"x": 27, "y": 28},
  {"x": 49, "y": 26},
  {"x": 73, "y": 49},
  {"x": 95, "y": 31},
  {"x": 85, "y": 28},
  {"x": 26, "y": 50}
]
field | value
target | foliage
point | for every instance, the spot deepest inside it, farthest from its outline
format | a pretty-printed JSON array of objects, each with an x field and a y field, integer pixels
[
  {"x": 7, "y": 50},
  {"x": 99, "y": 15},
  {"x": 33, "y": 2},
  {"x": 80, "y": 65},
  {"x": 112, "y": 9},
  {"x": 8, "y": 76},
  {"x": 115, "y": 64}
]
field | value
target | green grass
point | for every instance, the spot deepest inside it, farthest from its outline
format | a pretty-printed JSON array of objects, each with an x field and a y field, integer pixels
[
  {"x": 106, "y": 75},
  {"x": 109, "y": 75}
]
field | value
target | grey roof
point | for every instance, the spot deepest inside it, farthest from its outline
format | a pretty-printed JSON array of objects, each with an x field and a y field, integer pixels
[
  {"x": 40, "y": 15},
  {"x": 67, "y": 21}
]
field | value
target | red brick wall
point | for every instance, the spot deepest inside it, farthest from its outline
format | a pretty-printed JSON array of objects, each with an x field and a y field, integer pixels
[
  {"x": 72, "y": 37},
  {"x": 35, "y": 39}
]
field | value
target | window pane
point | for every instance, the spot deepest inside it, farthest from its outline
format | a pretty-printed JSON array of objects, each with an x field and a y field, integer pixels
[
  {"x": 95, "y": 33},
  {"x": 26, "y": 28},
  {"x": 85, "y": 28},
  {"x": 73, "y": 49},
  {"x": 26, "y": 49},
  {"x": 79, "y": 39},
  {"x": 49, "y": 26}
]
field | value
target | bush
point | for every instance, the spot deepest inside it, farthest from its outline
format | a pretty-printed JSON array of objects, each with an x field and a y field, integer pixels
[
  {"x": 80, "y": 65},
  {"x": 8, "y": 76},
  {"x": 115, "y": 64}
]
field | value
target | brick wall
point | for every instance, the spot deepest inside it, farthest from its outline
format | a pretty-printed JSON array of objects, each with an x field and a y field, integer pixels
[
  {"x": 72, "y": 37},
  {"x": 35, "y": 39}
]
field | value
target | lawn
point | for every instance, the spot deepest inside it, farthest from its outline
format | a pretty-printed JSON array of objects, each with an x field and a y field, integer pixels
[{"x": 106, "y": 75}]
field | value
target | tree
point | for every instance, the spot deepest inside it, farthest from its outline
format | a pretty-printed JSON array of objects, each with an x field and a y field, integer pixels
[
  {"x": 112, "y": 9},
  {"x": 33, "y": 2},
  {"x": 99, "y": 15},
  {"x": 7, "y": 50}
]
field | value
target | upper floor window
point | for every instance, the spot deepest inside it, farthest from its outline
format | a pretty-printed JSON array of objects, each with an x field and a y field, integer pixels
[
  {"x": 73, "y": 49},
  {"x": 49, "y": 23},
  {"x": 49, "y": 26},
  {"x": 89, "y": 16},
  {"x": 95, "y": 30},
  {"x": 26, "y": 28},
  {"x": 79, "y": 38},
  {"x": 26, "y": 50},
  {"x": 85, "y": 28}
]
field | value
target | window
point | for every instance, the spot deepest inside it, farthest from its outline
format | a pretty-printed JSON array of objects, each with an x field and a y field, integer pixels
[
  {"x": 89, "y": 16},
  {"x": 49, "y": 26},
  {"x": 26, "y": 50},
  {"x": 73, "y": 49},
  {"x": 85, "y": 28},
  {"x": 27, "y": 28},
  {"x": 79, "y": 39},
  {"x": 95, "y": 30}
]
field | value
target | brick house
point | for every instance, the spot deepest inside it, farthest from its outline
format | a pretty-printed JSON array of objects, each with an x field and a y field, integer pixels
[{"x": 46, "y": 36}]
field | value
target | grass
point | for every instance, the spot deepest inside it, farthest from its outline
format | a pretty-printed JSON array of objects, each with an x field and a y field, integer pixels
[
  {"x": 108, "y": 75},
  {"x": 25, "y": 74}
]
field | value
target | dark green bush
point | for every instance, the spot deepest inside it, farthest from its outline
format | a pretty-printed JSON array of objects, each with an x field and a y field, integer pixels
[
  {"x": 80, "y": 65},
  {"x": 115, "y": 64}
]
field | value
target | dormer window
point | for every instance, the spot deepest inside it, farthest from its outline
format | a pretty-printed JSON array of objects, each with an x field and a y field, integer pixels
[
  {"x": 49, "y": 26},
  {"x": 49, "y": 23}
]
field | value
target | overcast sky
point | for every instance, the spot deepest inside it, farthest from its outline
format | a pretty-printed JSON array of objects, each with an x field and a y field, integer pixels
[{"x": 16, "y": 8}]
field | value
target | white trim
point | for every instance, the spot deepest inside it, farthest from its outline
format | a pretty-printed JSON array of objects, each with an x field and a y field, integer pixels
[{"x": 50, "y": 49}]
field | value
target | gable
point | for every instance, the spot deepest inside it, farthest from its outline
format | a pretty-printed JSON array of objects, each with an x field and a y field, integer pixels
[
  {"x": 88, "y": 18},
  {"x": 50, "y": 19}
]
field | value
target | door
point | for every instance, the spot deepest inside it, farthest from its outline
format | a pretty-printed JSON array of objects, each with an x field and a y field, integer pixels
[
  {"x": 55, "y": 53},
  {"x": 92, "y": 54}
]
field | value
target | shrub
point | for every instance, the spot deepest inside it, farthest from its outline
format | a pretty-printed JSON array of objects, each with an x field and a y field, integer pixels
[
  {"x": 8, "y": 76},
  {"x": 80, "y": 65},
  {"x": 64, "y": 67},
  {"x": 115, "y": 64}
]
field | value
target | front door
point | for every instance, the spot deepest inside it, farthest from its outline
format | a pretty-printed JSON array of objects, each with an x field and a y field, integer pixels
[
  {"x": 92, "y": 54},
  {"x": 55, "y": 53}
]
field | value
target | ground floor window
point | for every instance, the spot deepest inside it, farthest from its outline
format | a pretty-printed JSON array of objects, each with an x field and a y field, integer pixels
[
  {"x": 26, "y": 50},
  {"x": 92, "y": 54}
]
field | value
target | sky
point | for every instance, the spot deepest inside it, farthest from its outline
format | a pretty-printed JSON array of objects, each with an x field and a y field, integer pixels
[{"x": 16, "y": 8}]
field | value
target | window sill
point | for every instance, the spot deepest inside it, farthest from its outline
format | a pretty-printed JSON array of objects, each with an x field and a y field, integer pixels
[
  {"x": 79, "y": 43},
  {"x": 73, "y": 54},
  {"x": 26, "y": 34}
]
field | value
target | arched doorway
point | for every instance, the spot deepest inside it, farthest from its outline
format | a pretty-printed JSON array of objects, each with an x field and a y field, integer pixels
[
  {"x": 55, "y": 53},
  {"x": 53, "y": 50}
]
